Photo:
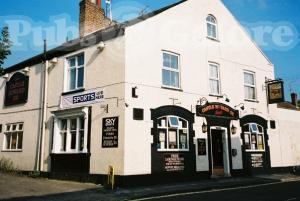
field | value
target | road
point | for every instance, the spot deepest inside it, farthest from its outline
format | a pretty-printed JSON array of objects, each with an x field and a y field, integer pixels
[{"x": 288, "y": 191}]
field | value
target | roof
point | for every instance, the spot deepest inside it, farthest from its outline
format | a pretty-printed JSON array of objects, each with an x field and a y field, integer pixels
[
  {"x": 288, "y": 105},
  {"x": 109, "y": 33}
]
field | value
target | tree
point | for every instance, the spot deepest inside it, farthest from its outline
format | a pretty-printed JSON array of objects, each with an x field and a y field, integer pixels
[{"x": 5, "y": 45}]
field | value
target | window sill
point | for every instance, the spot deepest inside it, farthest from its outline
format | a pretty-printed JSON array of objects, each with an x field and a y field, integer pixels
[
  {"x": 175, "y": 150},
  {"x": 216, "y": 95},
  {"x": 213, "y": 39},
  {"x": 255, "y": 151},
  {"x": 69, "y": 153},
  {"x": 250, "y": 100},
  {"x": 170, "y": 88},
  {"x": 73, "y": 92},
  {"x": 7, "y": 150}
]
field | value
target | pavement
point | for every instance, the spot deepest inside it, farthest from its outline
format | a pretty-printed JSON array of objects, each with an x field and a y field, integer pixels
[{"x": 14, "y": 188}]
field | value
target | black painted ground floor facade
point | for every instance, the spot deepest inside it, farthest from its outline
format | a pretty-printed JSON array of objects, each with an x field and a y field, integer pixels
[{"x": 174, "y": 148}]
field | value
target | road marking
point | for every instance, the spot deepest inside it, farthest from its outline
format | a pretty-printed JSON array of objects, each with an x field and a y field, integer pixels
[
  {"x": 212, "y": 191},
  {"x": 291, "y": 199}
]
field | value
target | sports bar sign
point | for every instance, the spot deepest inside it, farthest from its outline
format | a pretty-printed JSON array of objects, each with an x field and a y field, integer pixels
[
  {"x": 16, "y": 90},
  {"x": 217, "y": 110}
]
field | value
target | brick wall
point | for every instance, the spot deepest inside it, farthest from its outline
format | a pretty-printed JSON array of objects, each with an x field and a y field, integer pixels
[{"x": 92, "y": 18}]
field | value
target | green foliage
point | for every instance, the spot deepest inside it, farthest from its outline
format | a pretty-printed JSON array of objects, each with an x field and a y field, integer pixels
[
  {"x": 5, "y": 45},
  {"x": 7, "y": 166}
]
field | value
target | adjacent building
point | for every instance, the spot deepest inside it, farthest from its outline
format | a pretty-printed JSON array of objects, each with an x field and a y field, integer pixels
[{"x": 179, "y": 93}]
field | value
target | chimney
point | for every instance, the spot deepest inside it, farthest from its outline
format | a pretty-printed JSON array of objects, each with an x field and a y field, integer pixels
[
  {"x": 92, "y": 17},
  {"x": 294, "y": 99}
]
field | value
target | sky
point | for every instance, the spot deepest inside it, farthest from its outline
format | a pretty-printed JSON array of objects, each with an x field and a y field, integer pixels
[{"x": 33, "y": 20}]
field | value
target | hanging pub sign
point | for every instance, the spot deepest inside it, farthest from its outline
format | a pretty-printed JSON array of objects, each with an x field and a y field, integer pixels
[
  {"x": 217, "y": 110},
  {"x": 275, "y": 92},
  {"x": 110, "y": 129},
  {"x": 16, "y": 89},
  {"x": 83, "y": 98}
]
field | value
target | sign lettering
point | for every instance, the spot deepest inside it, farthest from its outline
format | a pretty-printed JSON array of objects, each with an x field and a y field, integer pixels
[
  {"x": 217, "y": 110},
  {"x": 16, "y": 89}
]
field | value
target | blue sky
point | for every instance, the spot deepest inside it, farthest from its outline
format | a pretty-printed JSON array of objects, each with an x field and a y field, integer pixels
[{"x": 250, "y": 13}]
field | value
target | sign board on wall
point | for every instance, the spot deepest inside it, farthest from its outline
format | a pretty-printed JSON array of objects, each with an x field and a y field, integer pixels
[
  {"x": 275, "y": 92},
  {"x": 110, "y": 129},
  {"x": 83, "y": 98},
  {"x": 217, "y": 110},
  {"x": 201, "y": 147},
  {"x": 257, "y": 160},
  {"x": 174, "y": 162},
  {"x": 16, "y": 89}
]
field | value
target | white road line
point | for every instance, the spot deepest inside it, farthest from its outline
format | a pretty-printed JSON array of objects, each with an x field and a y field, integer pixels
[
  {"x": 211, "y": 191},
  {"x": 291, "y": 199}
]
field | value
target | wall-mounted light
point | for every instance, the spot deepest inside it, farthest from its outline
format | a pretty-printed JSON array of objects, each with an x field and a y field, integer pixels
[
  {"x": 6, "y": 76},
  {"x": 202, "y": 101},
  {"x": 54, "y": 61},
  {"x": 101, "y": 46},
  {"x": 204, "y": 128},
  {"x": 26, "y": 70},
  {"x": 241, "y": 105},
  {"x": 233, "y": 129},
  {"x": 225, "y": 96}
]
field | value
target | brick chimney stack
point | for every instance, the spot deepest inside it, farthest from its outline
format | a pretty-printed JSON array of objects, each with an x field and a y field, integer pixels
[
  {"x": 294, "y": 99},
  {"x": 92, "y": 17}
]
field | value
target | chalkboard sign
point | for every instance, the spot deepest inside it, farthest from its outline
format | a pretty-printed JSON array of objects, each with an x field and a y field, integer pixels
[
  {"x": 201, "y": 147},
  {"x": 16, "y": 89},
  {"x": 110, "y": 132}
]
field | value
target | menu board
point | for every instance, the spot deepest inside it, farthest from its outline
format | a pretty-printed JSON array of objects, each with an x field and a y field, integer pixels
[
  {"x": 174, "y": 162},
  {"x": 201, "y": 147},
  {"x": 257, "y": 160},
  {"x": 110, "y": 132}
]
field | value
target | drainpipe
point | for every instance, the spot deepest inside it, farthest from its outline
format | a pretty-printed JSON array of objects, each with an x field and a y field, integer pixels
[{"x": 44, "y": 113}]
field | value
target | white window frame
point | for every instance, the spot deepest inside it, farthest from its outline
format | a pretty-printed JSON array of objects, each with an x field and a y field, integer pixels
[
  {"x": 214, "y": 78},
  {"x": 250, "y": 85},
  {"x": 76, "y": 114},
  {"x": 250, "y": 133},
  {"x": 177, "y": 128},
  {"x": 213, "y": 24},
  {"x": 77, "y": 67},
  {"x": 172, "y": 70},
  {"x": 10, "y": 132}
]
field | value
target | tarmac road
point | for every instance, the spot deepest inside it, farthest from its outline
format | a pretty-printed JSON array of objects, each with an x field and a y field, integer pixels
[{"x": 286, "y": 191}]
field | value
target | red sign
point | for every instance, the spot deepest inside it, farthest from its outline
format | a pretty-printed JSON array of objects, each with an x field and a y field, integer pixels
[
  {"x": 16, "y": 89},
  {"x": 217, "y": 110}
]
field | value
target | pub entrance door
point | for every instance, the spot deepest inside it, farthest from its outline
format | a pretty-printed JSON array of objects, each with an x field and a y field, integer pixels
[{"x": 219, "y": 152}]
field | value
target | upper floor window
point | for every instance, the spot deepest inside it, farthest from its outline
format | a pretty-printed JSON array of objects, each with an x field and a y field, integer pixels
[
  {"x": 13, "y": 137},
  {"x": 212, "y": 28},
  {"x": 214, "y": 79},
  {"x": 171, "y": 70},
  {"x": 254, "y": 137},
  {"x": 75, "y": 72},
  {"x": 249, "y": 86},
  {"x": 173, "y": 133}
]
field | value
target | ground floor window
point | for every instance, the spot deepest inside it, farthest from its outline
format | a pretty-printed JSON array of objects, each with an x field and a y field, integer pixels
[
  {"x": 13, "y": 139},
  {"x": 173, "y": 134},
  {"x": 254, "y": 137}
]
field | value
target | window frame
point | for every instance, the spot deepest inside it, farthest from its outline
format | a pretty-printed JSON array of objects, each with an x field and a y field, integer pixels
[
  {"x": 258, "y": 133},
  {"x": 168, "y": 128},
  {"x": 178, "y": 70},
  {"x": 246, "y": 85},
  {"x": 68, "y": 69},
  {"x": 10, "y": 132},
  {"x": 214, "y": 79},
  {"x": 213, "y": 24}
]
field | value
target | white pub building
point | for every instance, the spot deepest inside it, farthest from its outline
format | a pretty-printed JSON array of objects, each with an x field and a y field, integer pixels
[{"x": 181, "y": 93}]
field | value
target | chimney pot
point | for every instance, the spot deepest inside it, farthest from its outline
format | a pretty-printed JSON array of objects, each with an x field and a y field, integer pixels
[{"x": 294, "y": 99}]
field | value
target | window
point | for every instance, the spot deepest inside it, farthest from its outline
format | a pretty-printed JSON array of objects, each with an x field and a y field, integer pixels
[
  {"x": 173, "y": 134},
  {"x": 75, "y": 73},
  {"x": 170, "y": 71},
  {"x": 249, "y": 85},
  {"x": 214, "y": 79},
  {"x": 13, "y": 139},
  {"x": 254, "y": 137},
  {"x": 71, "y": 132},
  {"x": 211, "y": 27}
]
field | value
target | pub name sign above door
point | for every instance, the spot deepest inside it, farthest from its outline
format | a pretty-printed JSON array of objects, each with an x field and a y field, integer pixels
[
  {"x": 16, "y": 90},
  {"x": 275, "y": 91},
  {"x": 217, "y": 110}
]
